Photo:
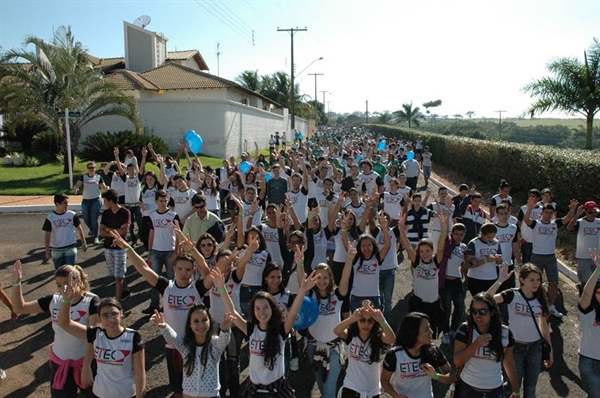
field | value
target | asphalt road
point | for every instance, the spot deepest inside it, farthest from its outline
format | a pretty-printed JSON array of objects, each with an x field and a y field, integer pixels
[{"x": 24, "y": 343}]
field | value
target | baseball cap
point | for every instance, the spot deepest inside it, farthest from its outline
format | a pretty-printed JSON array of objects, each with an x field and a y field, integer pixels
[{"x": 590, "y": 205}]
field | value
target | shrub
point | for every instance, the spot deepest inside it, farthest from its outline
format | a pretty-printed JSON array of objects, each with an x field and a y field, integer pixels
[
  {"x": 60, "y": 159},
  {"x": 570, "y": 173},
  {"x": 31, "y": 161},
  {"x": 47, "y": 142},
  {"x": 99, "y": 146}
]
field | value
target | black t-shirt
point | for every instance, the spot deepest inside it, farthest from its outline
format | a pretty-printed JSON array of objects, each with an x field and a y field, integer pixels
[{"x": 114, "y": 221}]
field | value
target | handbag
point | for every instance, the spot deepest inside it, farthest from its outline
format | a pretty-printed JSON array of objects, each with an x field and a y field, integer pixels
[{"x": 546, "y": 347}]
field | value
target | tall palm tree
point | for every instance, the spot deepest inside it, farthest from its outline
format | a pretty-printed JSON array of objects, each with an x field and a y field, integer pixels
[
  {"x": 60, "y": 75},
  {"x": 410, "y": 115},
  {"x": 574, "y": 88},
  {"x": 249, "y": 79}
]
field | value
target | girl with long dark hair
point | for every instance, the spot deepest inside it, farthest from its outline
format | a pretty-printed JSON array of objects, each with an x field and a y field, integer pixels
[
  {"x": 367, "y": 335},
  {"x": 414, "y": 360},
  {"x": 200, "y": 347},
  {"x": 589, "y": 319},
  {"x": 482, "y": 347}
]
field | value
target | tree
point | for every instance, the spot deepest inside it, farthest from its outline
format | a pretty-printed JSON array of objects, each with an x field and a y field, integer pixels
[
  {"x": 60, "y": 75},
  {"x": 470, "y": 114},
  {"x": 384, "y": 118},
  {"x": 410, "y": 115},
  {"x": 24, "y": 129},
  {"x": 249, "y": 79},
  {"x": 456, "y": 117},
  {"x": 574, "y": 88},
  {"x": 432, "y": 104}
]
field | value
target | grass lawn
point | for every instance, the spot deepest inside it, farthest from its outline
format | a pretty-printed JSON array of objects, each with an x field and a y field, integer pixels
[
  {"x": 48, "y": 179},
  {"x": 526, "y": 122}
]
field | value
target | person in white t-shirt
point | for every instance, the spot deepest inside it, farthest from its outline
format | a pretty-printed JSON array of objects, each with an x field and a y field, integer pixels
[
  {"x": 426, "y": 164},
  {"x": 482, "y": 348},
  {"x": 589, "y": 320},
  {"x": 266, "y": 332},
  {"x": 528, "y": 315},
  {"x": 588, "y": 230},
  {"x": 367, "y": 335},
  {"x": 414, "y": 361},
  {"x": 66, "y": 352},
  {"x": 118, "y": 351}
]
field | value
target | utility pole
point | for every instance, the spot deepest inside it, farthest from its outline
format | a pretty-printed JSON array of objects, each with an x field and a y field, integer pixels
[
  {"x": 367, "y": 111},
  {"x": 316, "y": 100},
  {"x": 500, "y": 124},
  {"x": 293, "y": 102},
  {"x": 218, "y": 62}
]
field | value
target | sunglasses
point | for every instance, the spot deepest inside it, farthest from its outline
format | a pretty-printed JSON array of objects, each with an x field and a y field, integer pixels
[
  {"x": 200, "y": 206},
  {"x": 295, "y": 242},
  {"x": 480, "y": 311},
  {"x": 91, "y": 168},
  {"x": 206, "y": 244}
]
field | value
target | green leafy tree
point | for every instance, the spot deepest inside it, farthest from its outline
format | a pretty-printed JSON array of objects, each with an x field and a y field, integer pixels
[
  {"x": 384, "y": 117},
  {"x": 470, "y": 114},
  {"x": 412, "y": 116},
  {"x": 573, "y": 88},
  {"x": 60, "y": 75},
  {"x": 249, "y": 79},
  {"x": 431, "y": 104}
]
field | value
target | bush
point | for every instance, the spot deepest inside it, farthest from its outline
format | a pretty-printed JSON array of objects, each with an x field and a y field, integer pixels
[
  {"x": 31, "y": 161},
  {"x": 569, "y": 173},
  {"x": 47, "y": 142},
  {"x": 99, "y": 146}
]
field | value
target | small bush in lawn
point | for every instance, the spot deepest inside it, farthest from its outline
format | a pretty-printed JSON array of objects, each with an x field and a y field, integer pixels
[
  {"x": 99, "y": 146},
  {"x": 60, "y": 159},
  {"x": 47, "y": 142},
  {"x": 31, "y": 161}
]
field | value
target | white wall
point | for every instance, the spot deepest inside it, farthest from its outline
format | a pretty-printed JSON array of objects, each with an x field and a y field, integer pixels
[{"x": 222, "y": 124}]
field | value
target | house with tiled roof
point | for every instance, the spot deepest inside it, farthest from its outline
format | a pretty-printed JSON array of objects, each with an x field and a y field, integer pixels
[{"x": 175, "y": 93}]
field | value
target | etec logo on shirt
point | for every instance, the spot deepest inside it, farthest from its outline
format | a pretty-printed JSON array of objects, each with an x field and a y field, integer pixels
[
  {"x": 62, "y": 222},
  {"x": 181, "y": 302},
  {"x": 111, "y": 357},
  {"x": 161, "y": 223}
]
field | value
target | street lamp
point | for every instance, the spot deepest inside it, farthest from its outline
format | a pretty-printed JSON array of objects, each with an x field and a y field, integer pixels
[{"x": 318, "y": 59}]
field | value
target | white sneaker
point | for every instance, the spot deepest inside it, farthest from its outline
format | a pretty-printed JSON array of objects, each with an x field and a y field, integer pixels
[
  {"x": 294, "y": 364},
  {"x": 554, "y": 312},
  {"x": 96, "y": 241}
]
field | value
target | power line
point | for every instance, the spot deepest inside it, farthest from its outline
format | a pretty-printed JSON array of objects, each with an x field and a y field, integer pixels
[{"x": 220, "y": 19}]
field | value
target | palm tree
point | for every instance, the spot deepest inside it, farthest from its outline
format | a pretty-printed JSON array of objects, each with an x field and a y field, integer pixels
[
  {"x": 60, "y": 75},
  {"x": 249, "y": 79},
  {"x": 410, "y": 115},
  {"x": 384, "y": 118},
  {"x": 574, "y": 88}
]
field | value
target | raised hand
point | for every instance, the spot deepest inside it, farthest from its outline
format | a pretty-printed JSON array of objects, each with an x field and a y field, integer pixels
[
  {"x": 17, "y": 272},
  {"x": 573, "y": 203},
  {"x": 352, "y": 249},
  {"x": 504, "y": 275},
  {"x": 309, "y": 282},
  {"x": 144, "y": 151},
  {"x": 383, "y": 221},
  {"x": 298, "y": 254},
  {"x": 228, "y": 320},
  {"x": 595, "y": 257},
  {"x": 158, "y": 319},
  {"x": 116, "y": 152},
  {"x": 254, "y": 243},
  {"x": 69, "y": 287}
]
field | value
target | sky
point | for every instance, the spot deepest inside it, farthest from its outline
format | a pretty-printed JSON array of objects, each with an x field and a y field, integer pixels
[{"x": 473, "y": 55}]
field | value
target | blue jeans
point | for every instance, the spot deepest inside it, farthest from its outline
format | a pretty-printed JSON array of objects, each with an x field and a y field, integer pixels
[
  {"x": 136, "y": 217},
  {"x": 355, "y": 302},
  {"x": 387, "y": 279},
  {"x": 160, "y": 258},
  {"x": 328, "y": 388},
  {"x": 90, "y": 210},
  {"x": 229, "y": 366},
  {"x": 589, "y": 369},
  {"x": 453, "y": 293},
  {"x": 66, "y": 255},
  {"x": 466, "y": 391},
  {"x": 528, "y": 360}
]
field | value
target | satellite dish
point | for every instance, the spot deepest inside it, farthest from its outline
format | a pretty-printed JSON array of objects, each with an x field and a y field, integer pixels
[{"x": 142, "y": 21}]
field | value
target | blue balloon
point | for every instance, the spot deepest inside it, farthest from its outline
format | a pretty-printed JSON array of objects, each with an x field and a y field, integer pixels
[
  {"x": 245, "y": 167},
  {"x": 301, "y": 136},
  {"x": 308, "y": 313},
  {"x": 194, "y": 141},
  {"x": 382, "y": 145},
  {"x": 268, "y": 176},
  {"x": 410, "y": 155},
  {"x": 359, "y": 158}
]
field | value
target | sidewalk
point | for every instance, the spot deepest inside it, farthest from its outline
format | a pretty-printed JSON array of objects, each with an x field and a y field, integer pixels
[{"x": 34, "y": 204}]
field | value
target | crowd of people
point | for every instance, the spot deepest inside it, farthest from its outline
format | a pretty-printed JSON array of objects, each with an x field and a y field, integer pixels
[{"x": 233, "y": 253}]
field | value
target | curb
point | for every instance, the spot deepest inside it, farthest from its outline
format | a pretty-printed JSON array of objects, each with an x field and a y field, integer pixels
[
  {"x": 562, "y": 267},
  {"x": 35, "y": 208}
]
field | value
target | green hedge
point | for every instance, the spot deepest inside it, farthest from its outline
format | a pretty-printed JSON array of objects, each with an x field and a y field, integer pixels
[
  {"x": 569, "y": 173},
  {"x": 99, "y": 146}
]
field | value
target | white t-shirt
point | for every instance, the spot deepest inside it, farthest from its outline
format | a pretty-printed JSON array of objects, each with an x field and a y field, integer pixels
[
  {"x": 91, "y": 186},
  {"x": 535, "y": 214},
  {"x": 217, "y": 308},
  {"x": 392, "y": 204},
  {"x": 408, "y": 376},
  {"x": 255, "y": 267},
  {"x": 520, "y": 320},
  {"x": 479, "y": 249},
  {"x": 482, "y": 370},
  {"x": 182, "y": 201},
  {"x": 148, "y": 197},
  {"x": 455, "y": 261},
  {"x": 507, "y": 236},
  {"x": 330, "y": 310},
  {"x": 391, "y": 258},
  {"x": 588, "y": 233},
  {"x": 425, "y": 280},
  {"x": 426, "y": 159},
  {"x": 544, "y": 236},
  {"x": 271, "y": 236},
  {"x": 259, "y": 372},
  {"x": 114, "y": 356},
  {"x": 133, "y": 189},
  {"x": 300, "y": 203},
  {"x": 162, "y": 225},
  {"x": 366, "y": 277},
  {"x": 361, "y": 376},
  {"x": 590, "y": 333},
  {"x": 61, "y": 228},
  {"x": 66, "y": 346}
]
